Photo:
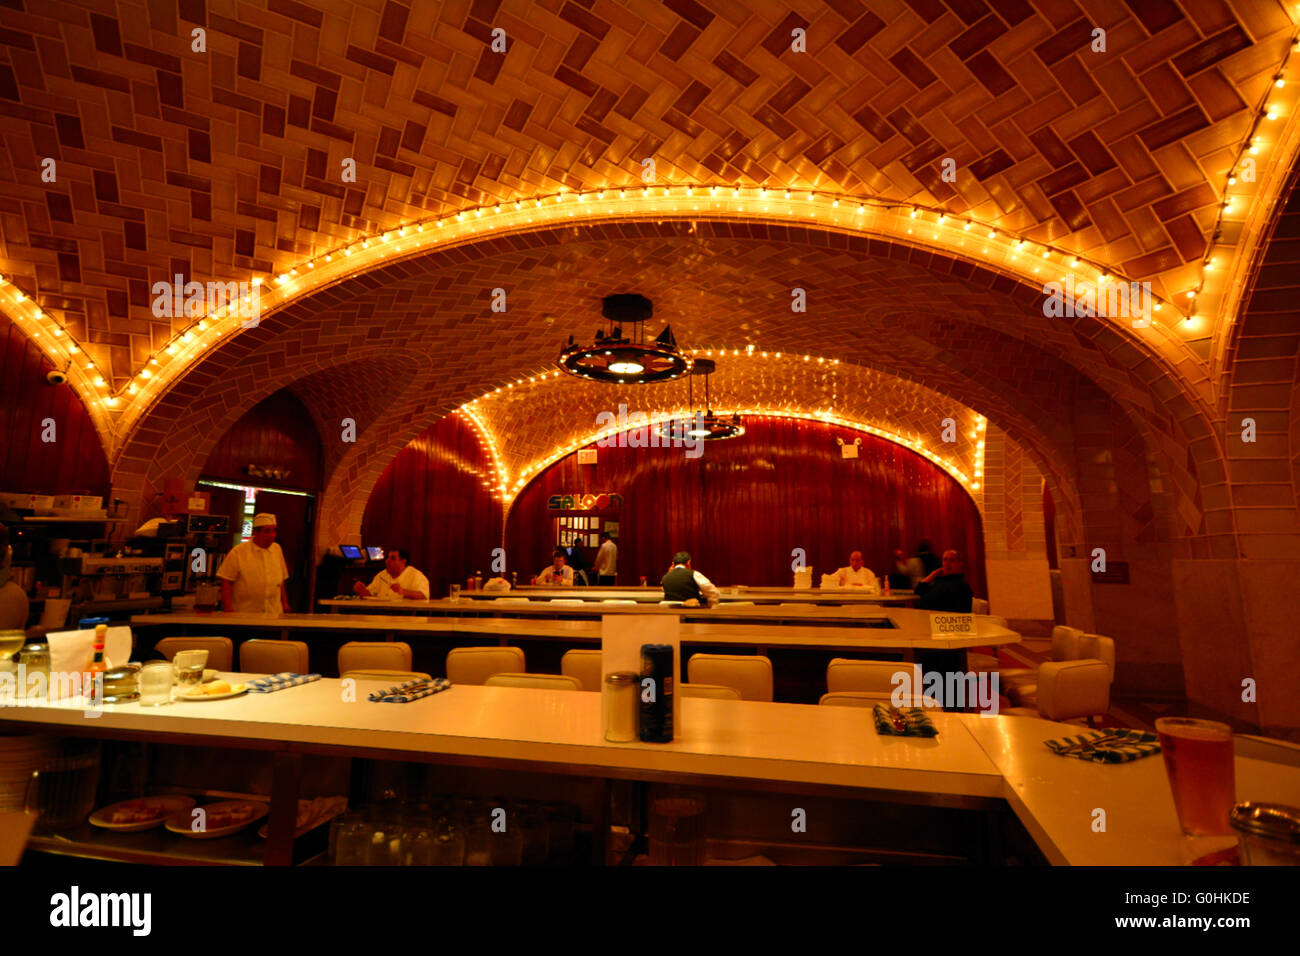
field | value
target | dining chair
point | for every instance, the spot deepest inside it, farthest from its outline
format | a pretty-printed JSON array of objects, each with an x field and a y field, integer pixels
[
  {"x": 870, "y": 698},
  {"x": 474, "y": 665},
  {"x": 221, "y": 650},
  {"x": 750, "y": 675},
  {"x": 618, "y": 601},
  {"x": 874, "y": 676},
  {"x": 379, "y": 673},
  {"x": 538, "y": 681},
  {"x": 365, "y": 655},
  {"x": 258, "y": 656},
  {"x": 1021, "y": 684},
  {"x": 583, "y": 664},
  {"x": 1069, "y": 690}
]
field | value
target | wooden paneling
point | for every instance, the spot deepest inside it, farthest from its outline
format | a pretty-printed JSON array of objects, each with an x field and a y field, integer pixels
[
  {"x": 276, "y": 433},
  {"x": 746, "y": 504},
  {"x": 431, "y": 500},
  {"x": 74, "y": 463}
]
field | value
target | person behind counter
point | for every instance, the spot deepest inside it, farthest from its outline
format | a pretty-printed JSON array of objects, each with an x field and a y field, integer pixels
[
  {"x": 606, "y": 568},
  {"x": 907, "y": 571},
  {"x": 14, "y": 606},
  {"x": 398, "y": 580},
  {"x": 559, "y": 573},
  {"x": 857, "y": 575},
  {"x": 683, "y": 583},
  {"x": 946, "y": 589},
  {"x": 253, "y": 574}
]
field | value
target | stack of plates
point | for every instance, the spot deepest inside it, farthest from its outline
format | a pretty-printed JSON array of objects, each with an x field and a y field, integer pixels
[{"x": 20, "y": 755}]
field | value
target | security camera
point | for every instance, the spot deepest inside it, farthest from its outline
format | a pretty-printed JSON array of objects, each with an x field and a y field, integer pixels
[{"x": 55, "y": 377}]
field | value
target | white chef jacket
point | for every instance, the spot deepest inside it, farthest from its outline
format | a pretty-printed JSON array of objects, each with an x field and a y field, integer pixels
[
  {"x": 550, "y": 577},
  {"x": 255, "y": 575},
  {"x": 863, "y": 577},
  {"x": 607, "y": 559},
  {"x": 409, "y": 580}
]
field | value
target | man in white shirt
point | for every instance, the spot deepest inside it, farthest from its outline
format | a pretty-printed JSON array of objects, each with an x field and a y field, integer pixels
[
  {"x": 856, "y": 575},
  {"x": 398, "y": 580},
  {"x": 559, "y": 573},
  {"x": 253, "y": 574},
  {"x": 685, "y": 584},
  {"x": 606, "y": 566}
]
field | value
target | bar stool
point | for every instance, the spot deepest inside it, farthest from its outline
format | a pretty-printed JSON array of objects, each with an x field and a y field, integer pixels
[
  {"x": 584, "y": 665},
  {"x": 379, "y": 673},
  {"x": 750, "y": 675},
  {"x": 539, "y": 681},
  {"x": 366, "y": 655},
  {"x": 474, "y": 665},
  {"x": 870, "y": 698},
  {"x": 260, "y": 656},
  {"x": 876, "y": 677},
  {"x": 221, "y": 651},
  {"x": 1068, "y": 690}
]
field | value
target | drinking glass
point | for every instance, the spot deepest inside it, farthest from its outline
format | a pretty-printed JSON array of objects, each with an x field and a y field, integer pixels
[
  {"x": 189, "y": 669},
  {"x": 677, "y": 835},
  {"x": 385, "y": 846},
  {"x": 478, "y": 838},
  {"x": 340, "y": 823},
  {"x": 156, "y": 684},
  {"x": 448, "y": 843},
  {"x": 455, "y": 593},
  {"x": 352, "y": 847},
  {"x": 1198, "y": 761}
]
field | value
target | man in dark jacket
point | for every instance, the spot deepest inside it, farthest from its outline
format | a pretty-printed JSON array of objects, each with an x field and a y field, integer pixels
[
  {"x": 946, "y": 589},
  {"x": 683, "y": 583}
]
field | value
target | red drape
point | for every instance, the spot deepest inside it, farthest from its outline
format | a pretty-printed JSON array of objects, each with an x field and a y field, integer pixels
[{"x": 747, "y": 503}]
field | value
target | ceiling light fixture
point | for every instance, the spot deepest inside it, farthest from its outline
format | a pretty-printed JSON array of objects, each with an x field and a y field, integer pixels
[
  {"x": 697, "y": 424},
  {"x": 626, "y": 359}
]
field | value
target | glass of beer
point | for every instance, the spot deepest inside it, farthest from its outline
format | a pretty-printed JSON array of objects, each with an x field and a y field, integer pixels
[{"x": 1198, "y": 760}]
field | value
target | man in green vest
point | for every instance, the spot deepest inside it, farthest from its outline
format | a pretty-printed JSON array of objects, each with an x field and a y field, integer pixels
[{"x": 684, "y": 584}]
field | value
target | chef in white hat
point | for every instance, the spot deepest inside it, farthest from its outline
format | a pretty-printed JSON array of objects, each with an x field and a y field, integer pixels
[{"x": 253, "y": 574}]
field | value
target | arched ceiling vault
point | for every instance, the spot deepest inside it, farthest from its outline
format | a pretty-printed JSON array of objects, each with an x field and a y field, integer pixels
[{"x": 226, "y": 165}]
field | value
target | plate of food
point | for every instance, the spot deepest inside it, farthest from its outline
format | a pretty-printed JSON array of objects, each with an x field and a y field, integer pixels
[
  {"x": 311, "y": 814},
  {"x": 217, "y": 690},
  {"x": 141, "y": 813},
  {"x": 217, "y": 819}
]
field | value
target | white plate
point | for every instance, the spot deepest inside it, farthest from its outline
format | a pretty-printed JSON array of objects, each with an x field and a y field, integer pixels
[
  {"x": 235, "y": 691},
  {"x": 183, "y": 822},
  {"x": 171, "y": 802}
]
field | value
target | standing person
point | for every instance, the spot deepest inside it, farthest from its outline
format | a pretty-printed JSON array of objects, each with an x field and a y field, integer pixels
[
  {"x": 559, "y": 573},
  {"x": 253, "y": 574},
  {"x": 907, "y": 571},
  {"x": 946, "y": 589},
  {"x": 578, "y": 561},
  {"x": 398, "y": 580},
  {"x": 929, "y": 560},
  {"x": 857, "y": 575},
  {"x": 606, "y": 567},
  {"x": 683, "y": 583}
]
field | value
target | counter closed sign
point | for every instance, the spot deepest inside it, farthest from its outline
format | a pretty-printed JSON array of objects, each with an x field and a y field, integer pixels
[{"x": 952, "y": 625}]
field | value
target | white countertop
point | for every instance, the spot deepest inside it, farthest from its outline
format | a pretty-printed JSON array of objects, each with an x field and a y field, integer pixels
[
  {"x": 911, "y": 628},
  {"x": 999, "y": 757}
]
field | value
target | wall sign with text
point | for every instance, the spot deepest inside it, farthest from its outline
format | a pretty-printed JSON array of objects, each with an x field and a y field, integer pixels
[{"x": 602, "y": 502}]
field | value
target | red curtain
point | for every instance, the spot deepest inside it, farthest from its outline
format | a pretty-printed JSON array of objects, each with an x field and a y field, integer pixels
[
  {"x": 747, "y": 503},
  {"x": 431, "y": 500}
]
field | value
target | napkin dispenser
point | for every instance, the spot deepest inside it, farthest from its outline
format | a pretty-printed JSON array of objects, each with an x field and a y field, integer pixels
[{"x": 803, "y": 577}]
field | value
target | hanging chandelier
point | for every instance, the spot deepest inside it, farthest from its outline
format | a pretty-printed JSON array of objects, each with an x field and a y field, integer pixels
[
  {"x": 701, "y": 425},
  {"x": 626, "y": 358}
]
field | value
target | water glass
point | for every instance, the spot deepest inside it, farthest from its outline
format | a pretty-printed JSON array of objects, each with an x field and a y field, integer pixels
[
  {"x": 156, "y": 684},
  {"x": 448, "y": 843},
  {"x": 478, "y": 839},
  {"x": 385, "y": 846},
  {"x": 677, "y": 836},
  {"x": 337, "y": 826},
  {"x": 417, "y": 846},
  {"x": 189, "y": 669},
  {"x": 352, "y": 847},
  {"x": 454, "y": 596}
]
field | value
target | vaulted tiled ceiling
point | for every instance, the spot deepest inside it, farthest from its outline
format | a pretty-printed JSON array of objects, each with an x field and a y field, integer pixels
[{"x": 227, "y": 163}]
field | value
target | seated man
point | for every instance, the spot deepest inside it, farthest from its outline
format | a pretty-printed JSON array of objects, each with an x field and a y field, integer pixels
[
  {"x": 945, "y": 589},
  {"x": 684, "y": 584},
  {"x": 398, "y": 580},
  {"x": 857, "y": 575},
  {"x": 559, "y": 573}
]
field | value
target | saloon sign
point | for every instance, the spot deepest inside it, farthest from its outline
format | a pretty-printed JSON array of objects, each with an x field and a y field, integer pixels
[{"x": 601, "y": 502}]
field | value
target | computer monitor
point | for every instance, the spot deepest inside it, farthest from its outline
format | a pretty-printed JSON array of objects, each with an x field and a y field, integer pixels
[
  {"x": 376, "y": 553},
  {"x": 351, "y": 551}
]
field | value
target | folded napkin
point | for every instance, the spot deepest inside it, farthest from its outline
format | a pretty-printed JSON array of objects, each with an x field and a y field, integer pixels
[
  {"x": 267, "y": 685},
  {"x": 411, "y": 690},
  {"x": 918, "y": 724},
  {"x": 70, "y": 651},
  {"x": 1121, "y": 746}
]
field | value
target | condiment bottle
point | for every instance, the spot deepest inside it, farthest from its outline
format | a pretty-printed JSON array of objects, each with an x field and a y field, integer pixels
[
  {"x": 621, "y": 706},
  {"x": 93, "y": 689}
]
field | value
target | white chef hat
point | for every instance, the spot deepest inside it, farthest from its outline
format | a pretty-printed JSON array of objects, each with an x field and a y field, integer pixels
[{"x": 264, "y": 521}]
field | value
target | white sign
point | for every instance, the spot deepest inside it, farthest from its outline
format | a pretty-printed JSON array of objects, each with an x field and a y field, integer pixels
[{"x": 952, "y": 625}]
